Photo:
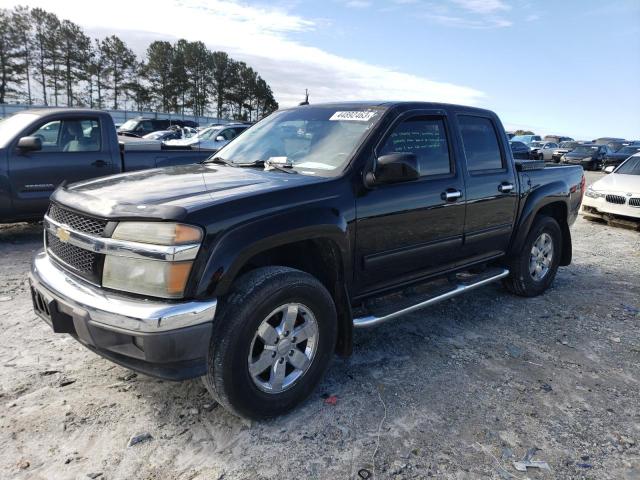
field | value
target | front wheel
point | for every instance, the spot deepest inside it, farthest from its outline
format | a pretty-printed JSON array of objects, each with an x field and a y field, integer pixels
[
  {"x": 535, "y": 268},
  {"x": 274, "y": 337}
]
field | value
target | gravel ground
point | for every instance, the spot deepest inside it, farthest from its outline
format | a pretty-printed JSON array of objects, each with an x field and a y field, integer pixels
[{"x": 459, "y": 391}]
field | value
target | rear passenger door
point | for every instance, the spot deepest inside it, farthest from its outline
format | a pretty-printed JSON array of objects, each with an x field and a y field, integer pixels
[
  {"x": 409, "y": 230},
  {"x": 491, "y": 188}
]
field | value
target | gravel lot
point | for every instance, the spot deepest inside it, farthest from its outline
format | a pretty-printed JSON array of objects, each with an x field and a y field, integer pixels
[{"x": 460, "y": 390}]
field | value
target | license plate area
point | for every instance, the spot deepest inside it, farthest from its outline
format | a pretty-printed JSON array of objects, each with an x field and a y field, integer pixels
[{"x": 47, "y": 309}]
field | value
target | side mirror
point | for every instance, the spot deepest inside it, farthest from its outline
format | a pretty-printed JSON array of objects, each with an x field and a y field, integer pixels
[
  {"x": 394, "y": 168},
  {"x": 609, "y": 169},
  {"x": 30, "y": 144},
  {"x": 220, "y": 138}
]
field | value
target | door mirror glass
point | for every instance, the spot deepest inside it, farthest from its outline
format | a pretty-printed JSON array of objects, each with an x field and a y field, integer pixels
[
  {"x": 30, "y": 144},
  {"x": 395, "y": 168},
  {"x": 609, "y": 169}
]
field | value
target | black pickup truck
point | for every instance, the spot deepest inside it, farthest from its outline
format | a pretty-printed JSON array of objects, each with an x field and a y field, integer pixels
[
  {"x": 40, "y": 149},
  {"x": 254, "y": 267}
]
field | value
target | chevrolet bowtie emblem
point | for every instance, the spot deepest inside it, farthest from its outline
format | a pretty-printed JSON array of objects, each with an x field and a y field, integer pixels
[{"x": 63, "y": 235}]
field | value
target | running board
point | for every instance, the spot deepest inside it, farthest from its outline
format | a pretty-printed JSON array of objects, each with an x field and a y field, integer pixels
[{"x": 459, "y": 288}]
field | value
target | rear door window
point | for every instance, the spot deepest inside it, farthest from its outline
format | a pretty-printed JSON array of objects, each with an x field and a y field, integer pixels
[{"x": 480, "y": 142}]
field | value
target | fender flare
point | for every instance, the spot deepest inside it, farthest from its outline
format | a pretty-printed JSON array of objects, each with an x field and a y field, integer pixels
[
  {"x": 557, "y": 192},
  {"x": 237, "y": 245}
]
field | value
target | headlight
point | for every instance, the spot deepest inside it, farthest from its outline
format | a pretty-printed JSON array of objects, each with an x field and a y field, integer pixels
[
  {"x": 158, "y": 278},
  {"x": 157, "y": 233},
  {"x": 591, "y": 193},
  {"x": 146, "y": 277}
]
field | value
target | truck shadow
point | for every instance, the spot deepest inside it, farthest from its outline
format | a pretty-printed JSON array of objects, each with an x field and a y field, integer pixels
[{"x": 21, "y": 233}]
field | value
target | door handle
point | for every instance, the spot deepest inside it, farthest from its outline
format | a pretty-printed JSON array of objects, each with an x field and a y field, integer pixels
[
  {"x": 451, "y": 195},
  {"x": 505, "y": 187},
  {"x": 99, "y": 163}
]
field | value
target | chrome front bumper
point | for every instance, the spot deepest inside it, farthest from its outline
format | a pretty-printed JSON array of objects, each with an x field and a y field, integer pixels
[{"x": 114, "y": 311}]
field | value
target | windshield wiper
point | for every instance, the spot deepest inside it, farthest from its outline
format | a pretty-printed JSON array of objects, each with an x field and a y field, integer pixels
[
  {"x": 220, "y": 160},
  {"x": 258, "y": 163},
  {"x": 283, "y": 167}
]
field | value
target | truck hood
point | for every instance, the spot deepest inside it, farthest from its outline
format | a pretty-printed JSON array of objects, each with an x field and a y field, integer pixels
[{"x": 172, "y": 192}]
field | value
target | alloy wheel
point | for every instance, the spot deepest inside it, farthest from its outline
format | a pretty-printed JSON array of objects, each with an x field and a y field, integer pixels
[
  {"x": 283, "y": 347},
  {"x": 541, "y": 256}
]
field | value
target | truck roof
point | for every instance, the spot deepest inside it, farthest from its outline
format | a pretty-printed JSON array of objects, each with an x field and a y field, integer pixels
[
  {"x": 65, "y": 110},
  {"x": 393, "y": 104}
]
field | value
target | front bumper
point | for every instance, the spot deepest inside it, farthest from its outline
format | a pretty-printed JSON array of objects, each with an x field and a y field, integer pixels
[
  {"x": 160, "y": 338},
  {"x": 600, "y": 205}
]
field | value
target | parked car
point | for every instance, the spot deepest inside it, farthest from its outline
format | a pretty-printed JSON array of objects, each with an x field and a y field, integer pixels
[
  {"x": 510, "y": 135},
  {"x": 249, "y": 269},
  {"x": 212, "y": 138},
  {"x": 41, "y": 149},
  {"x": 617, "y": 193},
  {"x": 164, "y": 135},
  {"x": 557, "y": 138},
  {"x": 542, "y": 150},
  {"x": 619, "y": 156},
  {"x": 526, "y": 139},
  {"x": 563, "y": 148},
  {"x": 519, "y": 150},
  {"x": 139, "y": 127},
  {"x": 612, "y": 142},
  {"x": 589, "y": 156}
]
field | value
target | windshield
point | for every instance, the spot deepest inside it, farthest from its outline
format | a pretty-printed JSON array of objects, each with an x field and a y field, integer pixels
[
  {"x": 537, "y": 144},
  {"x": 587, "y": 149},
  {"x": 628, "y": 150},
  {"x": 207, "y": 133},
  {"x": 630, "y": 167},
  {"x": 12, "y": 125},
  {"x": 129, "y": 125},
  {"x": 569, "y": 144},
  {"x": 310, "y": 139},
  {"x": 522, "y": 138}
]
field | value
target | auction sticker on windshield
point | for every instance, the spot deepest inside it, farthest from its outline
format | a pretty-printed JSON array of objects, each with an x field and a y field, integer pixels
[{"x": 355, "y": 116}]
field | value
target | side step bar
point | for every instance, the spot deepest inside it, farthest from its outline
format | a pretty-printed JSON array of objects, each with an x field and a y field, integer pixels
[{"x": 463, "y": 287}]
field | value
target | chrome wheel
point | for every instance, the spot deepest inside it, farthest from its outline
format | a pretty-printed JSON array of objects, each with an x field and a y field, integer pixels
[
  {"x": 283, "y": 348},
  {"x": 541, "y": 256}
]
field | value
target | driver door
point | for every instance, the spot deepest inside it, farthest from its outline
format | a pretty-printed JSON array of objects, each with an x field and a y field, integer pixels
[
  {"x": 410, "y": 230},
  {"x": 71, "y": 151}
]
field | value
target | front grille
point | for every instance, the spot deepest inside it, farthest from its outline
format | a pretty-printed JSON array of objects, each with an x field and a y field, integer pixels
[
  {"x": 75, "y": 221},
  {"x": 634, "y": 202},
  {"x": 82, "y": 261},
  {"x": 617, "y": 199}
]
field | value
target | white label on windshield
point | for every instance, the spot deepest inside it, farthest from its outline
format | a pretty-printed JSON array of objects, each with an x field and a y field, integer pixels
[
  {"x": 356, "y": 116},
  {"x": 278, "y": 160}
]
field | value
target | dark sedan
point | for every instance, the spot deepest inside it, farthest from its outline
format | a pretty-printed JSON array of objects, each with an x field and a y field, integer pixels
[
  {"x": 565, "y": 147},
  {"x": 619, "y": 156},
  {"x": 520, "y": 150},
  {"x": 590, "y": 157}
]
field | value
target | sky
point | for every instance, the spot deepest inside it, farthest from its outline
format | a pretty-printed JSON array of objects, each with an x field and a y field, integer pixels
[{"x": 569, "y": 67}]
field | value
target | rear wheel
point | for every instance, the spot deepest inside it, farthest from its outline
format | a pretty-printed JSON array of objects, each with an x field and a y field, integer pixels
[
  {"x": 274, "y": 338},
  {"x": 535, "y": 268}
]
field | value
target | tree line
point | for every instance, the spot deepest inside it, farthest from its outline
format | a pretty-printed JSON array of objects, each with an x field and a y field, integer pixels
[{"x": 53, "y": 62}]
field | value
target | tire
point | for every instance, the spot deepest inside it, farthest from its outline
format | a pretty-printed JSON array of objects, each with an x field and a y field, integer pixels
[
  {"x": 256, "y": 301},
  {"x": 541, "y": 156},
  {"x": 522, "y": 281}
]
